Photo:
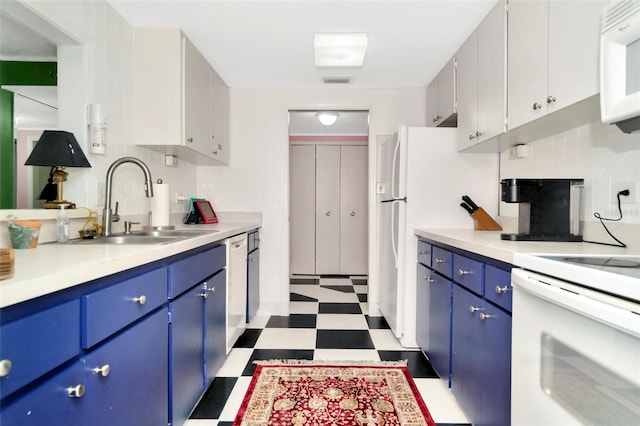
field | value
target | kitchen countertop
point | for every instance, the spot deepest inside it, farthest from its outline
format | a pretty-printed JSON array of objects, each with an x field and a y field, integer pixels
[
  {"x": 52, "y": 267},
  {"x": 489, "y": 244}
]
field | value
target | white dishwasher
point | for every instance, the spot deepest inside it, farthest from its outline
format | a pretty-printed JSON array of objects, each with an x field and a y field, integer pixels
[{"x": 236, "y": 288}]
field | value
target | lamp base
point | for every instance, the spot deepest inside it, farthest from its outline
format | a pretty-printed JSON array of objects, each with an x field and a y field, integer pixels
[{"x": 56, "y": 204}]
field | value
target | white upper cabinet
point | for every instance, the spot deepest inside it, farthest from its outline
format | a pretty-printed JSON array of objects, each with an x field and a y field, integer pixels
[
  {"x": 181, "y": 106},
  {"x": 441, "y": 97},
  {"x": 481, "y": 81},
  {"x": 553, "y": 56}
]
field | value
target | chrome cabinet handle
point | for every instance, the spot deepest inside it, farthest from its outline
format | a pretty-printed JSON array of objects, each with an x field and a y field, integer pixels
[
  {"x": 485, "y": 316},
  {"x": 420, "y": 252},
  {"x": 141, "y": 300},
  {"x": 536, "y": 106},
  {"x": 439, "y": 260},
  {"x": 551, "y": 99},
  {"x": 213, "y": 289},
  {"x": 328, "y": 213},
  {"x": 353, "y": 213},
  {"x": 76, "y": 391},
  {"x": 189, "y": 139},
  {"x": 462, "y": 272},
  {"x": 103, "y": 371},
  {"x": 473, "y": 309},
  {"x": 501, "y": 289},
  {"x": 478, "y": 134},
  {"x": 214, "y": 152},
  {"x": 471, "y": 137},
  {"x": 428, "y": 279},
  {"x": 5, "y": 367}
]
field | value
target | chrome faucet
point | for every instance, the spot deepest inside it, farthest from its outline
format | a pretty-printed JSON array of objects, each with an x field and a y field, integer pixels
[{"x": 107, "y": 216}]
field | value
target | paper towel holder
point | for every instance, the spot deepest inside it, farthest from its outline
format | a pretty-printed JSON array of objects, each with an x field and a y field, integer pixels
[{"x": 151, "y": 227}]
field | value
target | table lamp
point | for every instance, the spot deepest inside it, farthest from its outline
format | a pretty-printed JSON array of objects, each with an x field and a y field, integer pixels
[{"x": 58, "y": 149}]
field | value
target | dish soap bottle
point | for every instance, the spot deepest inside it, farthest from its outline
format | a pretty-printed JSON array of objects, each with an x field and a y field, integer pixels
[{"x": 63, "y": 226}]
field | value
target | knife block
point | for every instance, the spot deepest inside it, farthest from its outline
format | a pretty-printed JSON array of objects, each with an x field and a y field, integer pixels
[{"x": 484, "y": 222}]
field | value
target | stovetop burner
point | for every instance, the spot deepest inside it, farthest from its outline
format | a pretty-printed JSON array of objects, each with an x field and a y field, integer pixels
[{"x": 604, "y": 261}]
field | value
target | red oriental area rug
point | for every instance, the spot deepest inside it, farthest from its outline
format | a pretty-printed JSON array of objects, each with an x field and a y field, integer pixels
[{"x": 305, "y": 394}]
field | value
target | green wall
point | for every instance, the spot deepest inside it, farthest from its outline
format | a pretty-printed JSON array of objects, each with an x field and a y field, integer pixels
[{"x": 16, "y": 73}]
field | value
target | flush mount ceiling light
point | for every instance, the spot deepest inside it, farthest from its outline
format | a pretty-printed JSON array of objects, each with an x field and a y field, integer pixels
[
  {"x": 340, "y": 50},
  {"x": 327, "y": 117}
]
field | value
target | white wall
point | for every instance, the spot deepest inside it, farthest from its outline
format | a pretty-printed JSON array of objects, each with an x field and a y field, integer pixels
[
  {"x": 98, "y": 69},
  {"x": 257, "y": 178}
]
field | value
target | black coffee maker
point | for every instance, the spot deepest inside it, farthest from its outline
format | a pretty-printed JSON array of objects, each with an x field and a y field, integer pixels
[{"x": 549, "y": 209}]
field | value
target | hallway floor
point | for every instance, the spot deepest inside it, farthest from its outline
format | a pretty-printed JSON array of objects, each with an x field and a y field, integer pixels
[{"x": 326, "y": 322}]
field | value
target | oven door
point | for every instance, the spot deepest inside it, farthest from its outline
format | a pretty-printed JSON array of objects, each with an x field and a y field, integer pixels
[{"x": 575, "y": 355}]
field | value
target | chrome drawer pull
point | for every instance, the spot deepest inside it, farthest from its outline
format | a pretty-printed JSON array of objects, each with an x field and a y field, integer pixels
[
  {"x": 141, "y": 300},
  {"x": 213, "y": 289},
  {"x": 473, "y": 309},
  {"x": 428, "y": 279},
  {"x": 501, "y": 289},
  {"x": 439, "y": 260},
  {"x": 76, "y": 391},
  {"x": 103, "y": 371},
  {"x": 5, "y": 367},
  {"x": 485, "y": 316},
  {"x": 204, "y": 295},
  {"x": 420, "y": 252},
  {"x": 462, "y": 272}
]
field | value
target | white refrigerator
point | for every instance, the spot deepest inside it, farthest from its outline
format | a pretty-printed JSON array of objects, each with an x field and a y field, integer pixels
[{"x": 420, "y": 183}]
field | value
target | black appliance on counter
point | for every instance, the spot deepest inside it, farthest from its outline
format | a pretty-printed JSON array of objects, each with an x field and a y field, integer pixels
[{"x": 549, "y": 209}]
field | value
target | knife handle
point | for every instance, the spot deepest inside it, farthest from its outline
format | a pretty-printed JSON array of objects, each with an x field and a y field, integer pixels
[
  {"x": 466, "y": 207},
  {"x": 470, "y": 202}
]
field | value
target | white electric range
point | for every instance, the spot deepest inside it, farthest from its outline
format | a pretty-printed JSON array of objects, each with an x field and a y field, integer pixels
[{"x": 576, "y": 340}]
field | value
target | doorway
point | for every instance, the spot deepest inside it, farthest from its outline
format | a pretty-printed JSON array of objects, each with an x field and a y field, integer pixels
[{"x": 328, "y": 195}]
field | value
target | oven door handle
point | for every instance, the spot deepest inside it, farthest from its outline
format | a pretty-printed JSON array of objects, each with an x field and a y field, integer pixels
[{"x": 624, "y": 320}]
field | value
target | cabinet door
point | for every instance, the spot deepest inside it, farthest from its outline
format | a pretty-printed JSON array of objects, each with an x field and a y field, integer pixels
[
  {"x": 574, "y": 36},
  {"x": 422, "y": 306},
  {"x": 215, "y": 329},
  {"x": 467, "y": 60},
  {"x": 432, "y": 103},
  {"x": 353, "y": 210},
  {"x": 327, "y": 209},
  {"x": 220, "y": 118},
  {"x": 447, "y": 90},
  {"x": 527, "y": 53},
  {"x": 440, "y": 326},
  {"x": 492, "y": 78},
  {"x": 50, "y": 402},
  {"x": 253, "y": 284},
  {"x": 197, "y": 100},
  {"x": 126, "y": 386},
  {"x": 303, "y": 210},
  {"x": 186, "y": 353}
]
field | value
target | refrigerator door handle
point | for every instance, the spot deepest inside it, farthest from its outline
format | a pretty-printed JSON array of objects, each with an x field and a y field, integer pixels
[
  {"x": 393, "y": 169},
  {"x": 393, "y": 231}
]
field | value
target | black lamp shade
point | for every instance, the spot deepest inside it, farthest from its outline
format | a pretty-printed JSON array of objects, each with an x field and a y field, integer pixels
[{"x": 57, "y": 148}]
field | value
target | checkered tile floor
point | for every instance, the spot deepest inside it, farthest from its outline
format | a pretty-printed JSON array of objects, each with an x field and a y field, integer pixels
[{"x": 326, "y": 322}]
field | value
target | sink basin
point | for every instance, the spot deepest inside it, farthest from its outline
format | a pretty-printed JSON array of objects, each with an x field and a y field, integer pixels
[{"x": 146, "y": 237}]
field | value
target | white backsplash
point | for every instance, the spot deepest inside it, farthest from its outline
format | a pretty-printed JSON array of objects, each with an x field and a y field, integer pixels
[{"x": 607, "y": 159}]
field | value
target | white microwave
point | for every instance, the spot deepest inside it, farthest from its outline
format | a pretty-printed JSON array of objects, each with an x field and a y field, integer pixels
[{"x": 620, "y": 65}]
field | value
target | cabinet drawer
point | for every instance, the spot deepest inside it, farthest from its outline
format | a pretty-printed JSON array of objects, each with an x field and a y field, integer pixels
[
  {"x": 442, "y": 261},
  {"x": 498, "y": 286},
  {"x": 424, "y": 253},
  {"x": 469, "y": 273},
  {"x": 106, "y": 311},
  {"x": 188, "y": 272},
  {"x": 38, "y": 343}
]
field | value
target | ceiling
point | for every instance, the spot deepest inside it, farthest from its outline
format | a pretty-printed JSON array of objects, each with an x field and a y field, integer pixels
[{"x": 269, "y": 43}]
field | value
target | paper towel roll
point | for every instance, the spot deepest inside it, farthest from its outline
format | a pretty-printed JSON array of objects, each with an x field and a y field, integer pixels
[{"x": 160, "y": 205}]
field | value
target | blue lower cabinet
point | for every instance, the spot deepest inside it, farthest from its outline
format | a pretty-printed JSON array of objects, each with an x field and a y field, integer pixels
[
  {"x": 481, "y": 359},
  {"x": 186, "y": 352},
  {"x": 215, "y": 327},
  {"x": 58, "y": 400},
  {"x": 124, "y": 378},
  {"x": 439, "y": 352}
]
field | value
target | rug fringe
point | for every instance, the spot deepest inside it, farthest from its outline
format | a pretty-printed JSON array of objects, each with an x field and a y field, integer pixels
[{"x": 364, "y": 363}]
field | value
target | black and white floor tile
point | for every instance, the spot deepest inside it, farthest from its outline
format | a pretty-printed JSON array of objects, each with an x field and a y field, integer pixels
[{"x": 327, "y": 321}]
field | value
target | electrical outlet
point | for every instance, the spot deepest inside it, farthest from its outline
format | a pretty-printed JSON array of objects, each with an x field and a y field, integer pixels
[
  {"x": 100, "y": 193},
  {"x": 632, "y": 198}
]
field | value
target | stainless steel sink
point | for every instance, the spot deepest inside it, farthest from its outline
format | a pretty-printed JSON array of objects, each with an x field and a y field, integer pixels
[{"x": 146, "y": 237}]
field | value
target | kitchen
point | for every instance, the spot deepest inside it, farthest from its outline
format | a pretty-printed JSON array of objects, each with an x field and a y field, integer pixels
[{"x": 601, "y": 154}]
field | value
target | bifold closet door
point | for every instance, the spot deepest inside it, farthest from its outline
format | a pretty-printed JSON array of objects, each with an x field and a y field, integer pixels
[
  {"x": 303, "y": 209},
  {"x": 327, "y": 209},
  {"x": 353, "y": 207}
]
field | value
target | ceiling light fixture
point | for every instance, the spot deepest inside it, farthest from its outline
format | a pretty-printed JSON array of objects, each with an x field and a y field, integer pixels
[
  {"x": 340, "y": 50},
  {"x": 327, "y": 117}
]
